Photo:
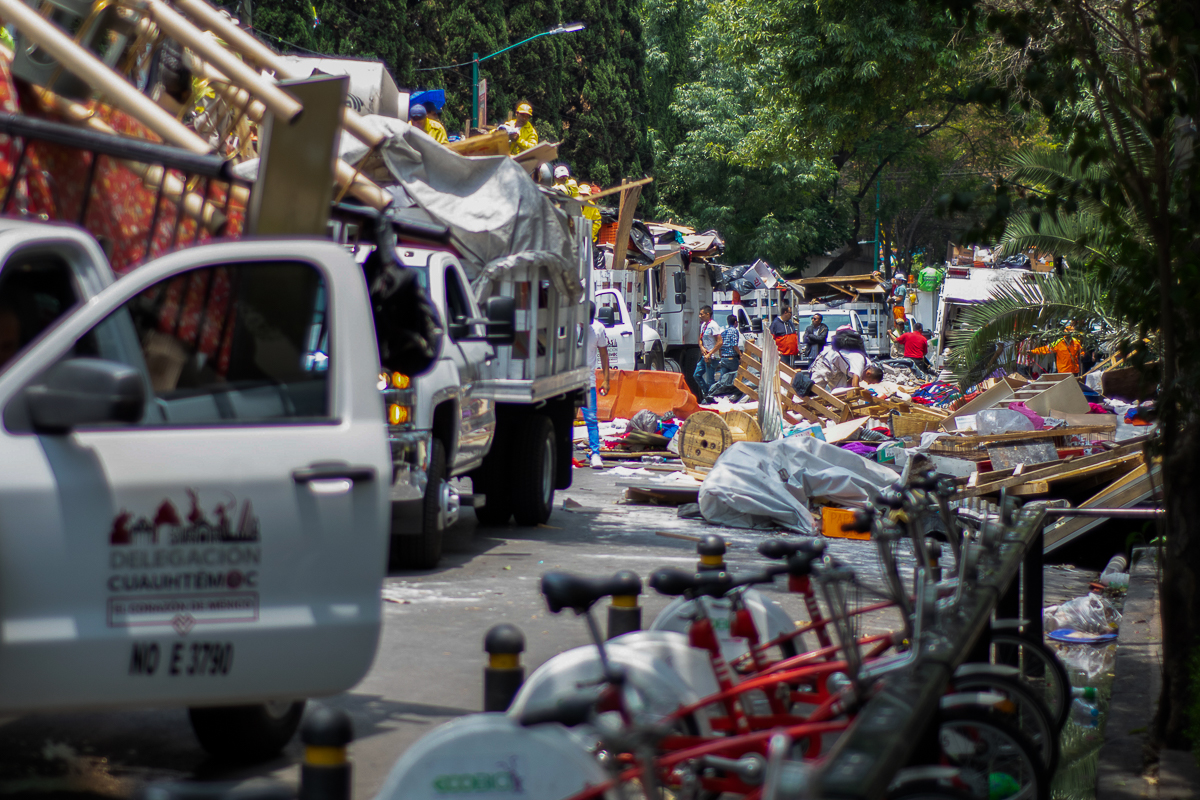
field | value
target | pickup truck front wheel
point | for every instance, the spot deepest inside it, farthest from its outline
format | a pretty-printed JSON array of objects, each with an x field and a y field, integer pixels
[
  {"x": 533, "y": 478},
  {"x": 424, "y": 550},
  {"x": 247, "y": 734}
]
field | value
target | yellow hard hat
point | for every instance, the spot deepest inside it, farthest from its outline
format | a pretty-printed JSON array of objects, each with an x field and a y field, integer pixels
[{"x": 525, "y": 108}]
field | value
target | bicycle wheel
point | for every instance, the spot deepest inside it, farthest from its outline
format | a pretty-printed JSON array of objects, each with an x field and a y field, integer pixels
[
  {"x": 1029, "y": 712},
  {"x": 997, "y": 760},
  {"x": 1039, "y": 668}
]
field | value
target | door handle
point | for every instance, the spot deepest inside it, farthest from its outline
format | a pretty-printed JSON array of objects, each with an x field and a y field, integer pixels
[
  {"x": 627, "y": 333},
  {"x": 333, "y": 470}
]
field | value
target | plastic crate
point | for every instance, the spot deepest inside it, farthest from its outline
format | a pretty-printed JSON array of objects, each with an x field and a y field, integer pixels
[{"x": 608, "y": 233}]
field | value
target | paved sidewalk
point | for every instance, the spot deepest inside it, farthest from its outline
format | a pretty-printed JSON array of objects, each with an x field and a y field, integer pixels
[{"x": 1121, "y": 773}]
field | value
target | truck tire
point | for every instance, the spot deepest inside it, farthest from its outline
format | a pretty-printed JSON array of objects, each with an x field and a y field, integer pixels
[
  {"x": 246, "y": 734},
  {"x": 490, "y": 482},
  {"x": 424, "y": 550},
  {"x": 655, "y": 361},
  {"x": 671, "y": 365},
  {"x": 533, "y": 479}
]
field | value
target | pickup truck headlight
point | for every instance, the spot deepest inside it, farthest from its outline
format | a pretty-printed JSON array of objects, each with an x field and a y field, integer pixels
[
  {"x": 399, "y": 414},
  {"x": 393, "y": 380}
]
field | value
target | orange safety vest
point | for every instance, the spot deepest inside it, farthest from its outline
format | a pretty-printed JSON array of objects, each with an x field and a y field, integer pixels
[{"x": 787, "y": 343}]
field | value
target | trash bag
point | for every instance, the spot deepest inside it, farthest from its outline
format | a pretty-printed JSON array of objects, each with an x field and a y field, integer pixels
[
  {"x": 1089, "y": 614},
  {"x": 848, "y": 340},
  {"x": 1086, "y": 663},
  {"x": 644, "y": 420}
]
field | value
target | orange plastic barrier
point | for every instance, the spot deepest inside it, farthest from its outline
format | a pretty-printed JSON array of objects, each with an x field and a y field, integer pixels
[{"x": 631, "y": 391}]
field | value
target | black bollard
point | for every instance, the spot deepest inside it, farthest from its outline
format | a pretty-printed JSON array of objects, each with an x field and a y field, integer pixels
[
  {"x": 624, "y": 613},
  {"x": 325, "y": 774},
  {"x": 712, "y": 553},
  {"x": 503, "y": 675}
]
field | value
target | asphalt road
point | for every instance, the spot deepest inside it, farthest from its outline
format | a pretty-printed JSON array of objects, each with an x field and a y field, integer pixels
[{"x": 428, "y": 668}]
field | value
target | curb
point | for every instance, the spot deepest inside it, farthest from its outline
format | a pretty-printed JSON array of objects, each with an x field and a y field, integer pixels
[{"x": 1136, "y": 688}]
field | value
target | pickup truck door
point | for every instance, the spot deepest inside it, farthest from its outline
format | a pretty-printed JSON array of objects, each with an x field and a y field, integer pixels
[
  {"x": 229, "y": 547},
  {"x": 620, "y": 335},
  {"x": 476, "y": 412}
]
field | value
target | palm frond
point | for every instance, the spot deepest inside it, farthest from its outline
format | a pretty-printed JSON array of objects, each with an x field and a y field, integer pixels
[{"x": 986, "y": 335}]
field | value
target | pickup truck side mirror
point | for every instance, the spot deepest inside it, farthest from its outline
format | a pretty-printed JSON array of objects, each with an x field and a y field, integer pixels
[
  {"x": 680, "y": 279},
  {"x": 606, "y": 316},
  {"x": 85, "y": 391},
  {"x": 501, "y": 313},
  {"x": 873, "y": 329},
  {"x": 757, "y": 325}
]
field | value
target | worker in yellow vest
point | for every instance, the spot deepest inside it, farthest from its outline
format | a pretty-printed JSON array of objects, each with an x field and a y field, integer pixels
[
  {"x": 433, "y": 123},
  {"x": 521, "y": 133},
  {"x": 589, "y": 209},
  {"x": 563, "y": 182},
  {"x": 419, "y": 119}
]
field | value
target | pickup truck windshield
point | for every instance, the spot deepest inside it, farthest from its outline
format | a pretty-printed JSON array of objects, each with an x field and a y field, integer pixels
[{"x": 832, "y": 320}]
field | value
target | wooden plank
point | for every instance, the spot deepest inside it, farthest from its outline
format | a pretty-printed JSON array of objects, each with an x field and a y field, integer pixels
[
  {"x": 797, "y": 408},
  {"x": 1130, "y": 490},
  {"x": 623, "y": 187},
  {"x": 997, "y": 438},
  {"x": 746, "y": 389},
  {"x": 629, "y": 197},
  {"x": 1113, "y": 456}
]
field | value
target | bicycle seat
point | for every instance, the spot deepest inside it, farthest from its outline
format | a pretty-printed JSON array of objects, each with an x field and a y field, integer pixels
[
  {"x": 579, "y": 593},
  {"x": 570, "y": 711},
  {"x": 674, "y": 582},
  {"x": 780, "y": 549}
]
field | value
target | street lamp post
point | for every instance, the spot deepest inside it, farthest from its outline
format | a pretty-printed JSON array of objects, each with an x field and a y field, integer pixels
[{"x": 475, "y": 61}]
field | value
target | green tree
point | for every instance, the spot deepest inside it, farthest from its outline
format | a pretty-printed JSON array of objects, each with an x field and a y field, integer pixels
[{"x": 1119, "y": 85}]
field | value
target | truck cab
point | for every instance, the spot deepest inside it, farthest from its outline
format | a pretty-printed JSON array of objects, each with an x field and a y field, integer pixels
[
  {"x": 193, "y": 481},
  {"x": 441, "y": 424},
  {"x": 626, "y": 349}
]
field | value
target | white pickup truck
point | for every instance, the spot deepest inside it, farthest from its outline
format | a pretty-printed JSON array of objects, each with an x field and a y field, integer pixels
[
  {"x": 499, "y": 403},
  {"x": 193, "y": 481}
]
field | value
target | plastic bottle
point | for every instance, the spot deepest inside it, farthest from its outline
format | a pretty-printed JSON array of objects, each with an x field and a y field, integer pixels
[
  {"x": 1084, "y": 714},
  {"x": 1002, "y": 785},
  {"x": 1115, "y": 580},
  {"x": 1086, "y": 693}
]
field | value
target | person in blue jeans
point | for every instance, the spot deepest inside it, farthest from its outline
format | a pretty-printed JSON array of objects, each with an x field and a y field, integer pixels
[
  {"x": 731, "y": 351},
  {"x": 596, "y": 347},
  {"x": 710, "y": 348}
]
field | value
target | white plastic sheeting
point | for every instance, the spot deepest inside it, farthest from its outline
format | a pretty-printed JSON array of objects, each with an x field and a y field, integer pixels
[
  {"x": 492, "y": 207},
  {"x": 769, "y": 485}
]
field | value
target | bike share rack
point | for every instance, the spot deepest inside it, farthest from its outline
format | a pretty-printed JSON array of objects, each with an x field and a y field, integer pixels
[{"x": 896, "y": 721}]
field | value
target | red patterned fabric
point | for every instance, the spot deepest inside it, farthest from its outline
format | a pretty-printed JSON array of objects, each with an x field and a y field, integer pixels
[{"x": 120, "y": 207}]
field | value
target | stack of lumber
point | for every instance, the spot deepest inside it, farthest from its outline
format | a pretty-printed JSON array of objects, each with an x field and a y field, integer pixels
[{"x": 823, "y": 406}]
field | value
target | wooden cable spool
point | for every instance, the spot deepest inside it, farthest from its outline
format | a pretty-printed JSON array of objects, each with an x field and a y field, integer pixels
[
  {"x": 742, "y": 426},
  {"x": 702, "y": 439}
]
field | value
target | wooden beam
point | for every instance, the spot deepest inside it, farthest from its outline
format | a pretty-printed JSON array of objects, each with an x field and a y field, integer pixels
[
  {"x": 1123, "y": 493},
  {"x": 1111, "y": 457},
  {"x": 629, "y": 197},
  {"x": 623, "y": 187}
]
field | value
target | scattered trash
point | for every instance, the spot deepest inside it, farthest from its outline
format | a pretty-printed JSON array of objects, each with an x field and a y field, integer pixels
[
  {"x": 1086, "y": 663},
  {"x": 1084, "y": 714},
  {"x": 1072, "y": 635},
  {"x": 1088, "y": 614}
]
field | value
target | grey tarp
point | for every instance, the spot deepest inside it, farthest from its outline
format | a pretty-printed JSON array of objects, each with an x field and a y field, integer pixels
[
  {"x": 492, "y": 207},
  {"x": 768, "y": 485}
]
